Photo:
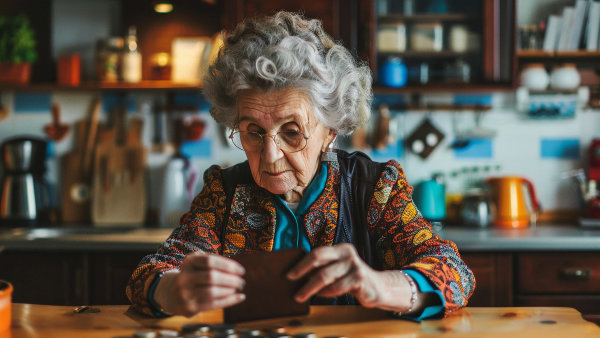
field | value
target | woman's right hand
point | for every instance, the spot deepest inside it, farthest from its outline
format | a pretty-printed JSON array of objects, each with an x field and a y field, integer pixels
[{"x": 204, "y": 282}]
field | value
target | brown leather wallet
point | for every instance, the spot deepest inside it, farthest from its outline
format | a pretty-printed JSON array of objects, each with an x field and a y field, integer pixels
[{"x": 268, "y": 292}]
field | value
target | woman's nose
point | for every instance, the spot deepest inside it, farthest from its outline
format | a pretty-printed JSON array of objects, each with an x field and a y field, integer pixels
[{"x": 271, "y": 150}]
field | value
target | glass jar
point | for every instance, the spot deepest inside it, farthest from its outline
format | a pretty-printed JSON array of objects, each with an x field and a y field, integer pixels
[
  {"x": 108, "y": 59},
  {"x": 394, "y": 73}
]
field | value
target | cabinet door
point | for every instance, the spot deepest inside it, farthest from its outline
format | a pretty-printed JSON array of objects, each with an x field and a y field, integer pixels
[
  {"x": 493, "y": 276},
  {"x": 110, "y": 273},
  {"x": 442, "y": 44},
  {"x": 50, "y": 278},
  {"x": 560, "y": 279},
  {"x": 339, "y": 17}
]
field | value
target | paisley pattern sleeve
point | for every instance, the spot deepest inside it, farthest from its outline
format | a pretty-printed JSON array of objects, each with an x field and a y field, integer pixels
[
  {"x": 405, "y": 240},
  {"x": 199, "y": 230}
]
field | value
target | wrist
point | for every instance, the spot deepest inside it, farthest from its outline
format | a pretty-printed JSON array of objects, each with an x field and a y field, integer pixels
[
  {"x": 156, "y": 290},
  {"x": 413, "y": 293}
]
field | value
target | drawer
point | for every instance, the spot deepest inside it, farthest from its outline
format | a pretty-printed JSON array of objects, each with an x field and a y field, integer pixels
[{"x": 559, "y": 272}]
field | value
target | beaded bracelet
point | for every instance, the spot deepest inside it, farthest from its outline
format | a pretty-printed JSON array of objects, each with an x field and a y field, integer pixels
[{"x": 413, "y": 296}]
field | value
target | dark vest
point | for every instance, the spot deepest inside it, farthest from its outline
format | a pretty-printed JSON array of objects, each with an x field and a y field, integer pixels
[{"x": 358, "y": 176}]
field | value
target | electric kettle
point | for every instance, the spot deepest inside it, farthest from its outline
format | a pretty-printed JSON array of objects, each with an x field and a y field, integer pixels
[
  {"x": 508, "y": 194},
  {"x": 430, "y": 197}
]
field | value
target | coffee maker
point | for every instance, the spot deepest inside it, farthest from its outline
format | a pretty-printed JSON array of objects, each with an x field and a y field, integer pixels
[{"x": 24, "y": 198}]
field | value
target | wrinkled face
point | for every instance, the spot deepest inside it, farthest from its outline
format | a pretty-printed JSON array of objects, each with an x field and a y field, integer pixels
[{"x": 268, "y": 113}]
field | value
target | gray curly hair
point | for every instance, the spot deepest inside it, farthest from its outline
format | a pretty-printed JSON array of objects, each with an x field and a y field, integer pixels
[{"x": 283, "y": 51}]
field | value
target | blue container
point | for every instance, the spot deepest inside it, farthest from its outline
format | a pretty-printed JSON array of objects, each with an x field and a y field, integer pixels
[
  {"x": 430, "y": 198},
  {"x": 394, "y": 73}
]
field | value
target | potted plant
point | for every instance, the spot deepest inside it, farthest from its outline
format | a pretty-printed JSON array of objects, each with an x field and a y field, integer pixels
[{"x": 17, "y": 49}]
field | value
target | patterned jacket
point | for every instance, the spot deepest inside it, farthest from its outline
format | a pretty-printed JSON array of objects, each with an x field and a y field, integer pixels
[{"x": 404, "y": 240}]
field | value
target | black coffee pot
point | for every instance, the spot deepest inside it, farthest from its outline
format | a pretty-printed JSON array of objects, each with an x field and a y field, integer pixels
[{"x": 24, "y": 195}]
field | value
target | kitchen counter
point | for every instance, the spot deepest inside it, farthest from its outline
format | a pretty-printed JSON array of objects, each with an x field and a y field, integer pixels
[{"x": 538, "y": 238}]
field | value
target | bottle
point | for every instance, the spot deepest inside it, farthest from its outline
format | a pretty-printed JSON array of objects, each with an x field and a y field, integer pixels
[{"x": 132, "y": 59}]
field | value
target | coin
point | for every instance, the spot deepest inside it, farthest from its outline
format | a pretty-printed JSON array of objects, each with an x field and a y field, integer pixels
[
  {"x": 305, "y": 335},
  {"x": 223, "y": 328},
  {"x": 168, "y": 333},
  {"x": 195, "y": 327},
  {"x": 245, "y": 332}
]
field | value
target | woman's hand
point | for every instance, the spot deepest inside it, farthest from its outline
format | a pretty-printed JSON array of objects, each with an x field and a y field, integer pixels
[
  {"x": 204, "y": 282},
  {"x": 337, "y": 270}
]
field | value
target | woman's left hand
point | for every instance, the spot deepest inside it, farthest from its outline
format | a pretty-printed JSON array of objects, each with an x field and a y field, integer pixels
[{"x": 336, "y": 270}]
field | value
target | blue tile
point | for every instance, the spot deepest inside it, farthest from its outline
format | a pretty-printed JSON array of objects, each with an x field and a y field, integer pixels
[
  {"x": 191, "y": 99},
  {"x": 201, "y": 148},
  {"x": 473, "y": 99},
  {"x": 566, "y": 148},
  {"x": 110, "y": 100},
  {"x": 390, "y": 152},
  {"x": 32, "y": 102},
  {"x": 476, "y": 148}
]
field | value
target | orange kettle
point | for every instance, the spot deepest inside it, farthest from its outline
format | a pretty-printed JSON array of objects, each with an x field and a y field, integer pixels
[{"x": 508, "y": 194}]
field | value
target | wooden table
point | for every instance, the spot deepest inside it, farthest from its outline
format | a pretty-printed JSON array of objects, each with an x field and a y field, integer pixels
[{"x": 351, "y": 321}]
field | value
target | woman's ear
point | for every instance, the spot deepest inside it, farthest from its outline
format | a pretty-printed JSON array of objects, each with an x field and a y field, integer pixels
[{"x": 329, "y": 140}]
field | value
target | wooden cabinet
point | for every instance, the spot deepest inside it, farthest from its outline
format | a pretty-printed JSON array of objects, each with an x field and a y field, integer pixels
[
  {"x": 339, "y": 17},
  {"x": 51, "y": 278},
  {"x": 444, "y": 44},
  {"x": 570, "y": 279},
  {"x": 494, "y": 278},
  {"x": 109, "y": 274},
  {"x": 69, "y": 277},
  {"x": 559, "y": 279}
]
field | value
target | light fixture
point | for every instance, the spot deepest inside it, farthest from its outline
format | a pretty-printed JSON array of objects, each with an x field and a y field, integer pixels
[{"x": 163, "y": 6}]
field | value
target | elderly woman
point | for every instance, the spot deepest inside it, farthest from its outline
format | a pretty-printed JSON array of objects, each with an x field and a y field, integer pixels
[{"x": 286, "y": 89}]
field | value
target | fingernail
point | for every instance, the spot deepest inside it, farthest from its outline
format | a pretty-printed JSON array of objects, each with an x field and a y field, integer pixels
[
  {"x": 242, "y": 296},
  {"x": 290, "y": 275},
  {"x": 241, "y": 285}
]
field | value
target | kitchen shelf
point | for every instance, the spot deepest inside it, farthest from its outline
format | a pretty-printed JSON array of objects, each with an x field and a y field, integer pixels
[
  {"x": 541, "y": 54},
  {"x": 434, "y": 55},
  {"x": 445, "y": 87},
  {"x": 143, "y": 85},
  {"x": 392, "y": 18}
]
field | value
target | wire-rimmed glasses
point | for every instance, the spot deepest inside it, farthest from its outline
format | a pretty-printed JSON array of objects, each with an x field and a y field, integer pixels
[{"x": 289, "y": 141}]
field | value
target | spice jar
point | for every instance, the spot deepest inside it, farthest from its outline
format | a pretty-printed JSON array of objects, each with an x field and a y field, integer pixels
[{"x": 108, "y": 59}]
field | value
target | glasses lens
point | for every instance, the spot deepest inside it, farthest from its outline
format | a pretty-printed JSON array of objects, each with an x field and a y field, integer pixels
[
  {"x": 246, "y": 140},
  {"x": 291, "y": 140}
]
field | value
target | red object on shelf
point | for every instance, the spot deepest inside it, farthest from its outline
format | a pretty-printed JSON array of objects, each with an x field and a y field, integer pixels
[
  {"x": 15, "y": 73},
  {"x": 69, "y": 70},
  {"x": 594, "y": 158}
]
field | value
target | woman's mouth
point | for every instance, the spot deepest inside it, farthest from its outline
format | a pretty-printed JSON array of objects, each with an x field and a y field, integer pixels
[{"x": 274, "y": 174}]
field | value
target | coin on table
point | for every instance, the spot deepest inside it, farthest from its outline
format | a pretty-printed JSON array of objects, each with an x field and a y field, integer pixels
[
  {"x": 246, "y": 332},
  {"x": 168, "y": 333},
  {"x": 305, "y": 335},
  {"x": 145, "y": 334},
  {"x": 195, "y": 327},
  {"x": 223, "y": 329}
]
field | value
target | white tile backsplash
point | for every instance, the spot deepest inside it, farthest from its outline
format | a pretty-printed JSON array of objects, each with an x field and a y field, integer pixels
[{"x": 516, "y": 145}]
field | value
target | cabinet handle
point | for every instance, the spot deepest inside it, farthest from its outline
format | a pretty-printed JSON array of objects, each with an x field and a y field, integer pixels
[{"x": 575, "y": 273}]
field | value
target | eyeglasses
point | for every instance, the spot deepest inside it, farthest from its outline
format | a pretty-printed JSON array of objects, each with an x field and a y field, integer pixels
[{"x": 289, "y": 141}]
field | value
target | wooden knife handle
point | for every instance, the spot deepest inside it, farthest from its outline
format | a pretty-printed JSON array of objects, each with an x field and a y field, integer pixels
[{"x": 91, "y": 137}]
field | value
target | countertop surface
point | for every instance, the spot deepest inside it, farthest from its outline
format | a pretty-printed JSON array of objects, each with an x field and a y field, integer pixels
[
  {"x": 534, "y": 238},
  {"x": 31, "y": 320}
]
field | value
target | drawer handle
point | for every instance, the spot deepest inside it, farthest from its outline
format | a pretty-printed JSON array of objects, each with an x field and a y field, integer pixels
[{"x": 575, "y": 273}]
